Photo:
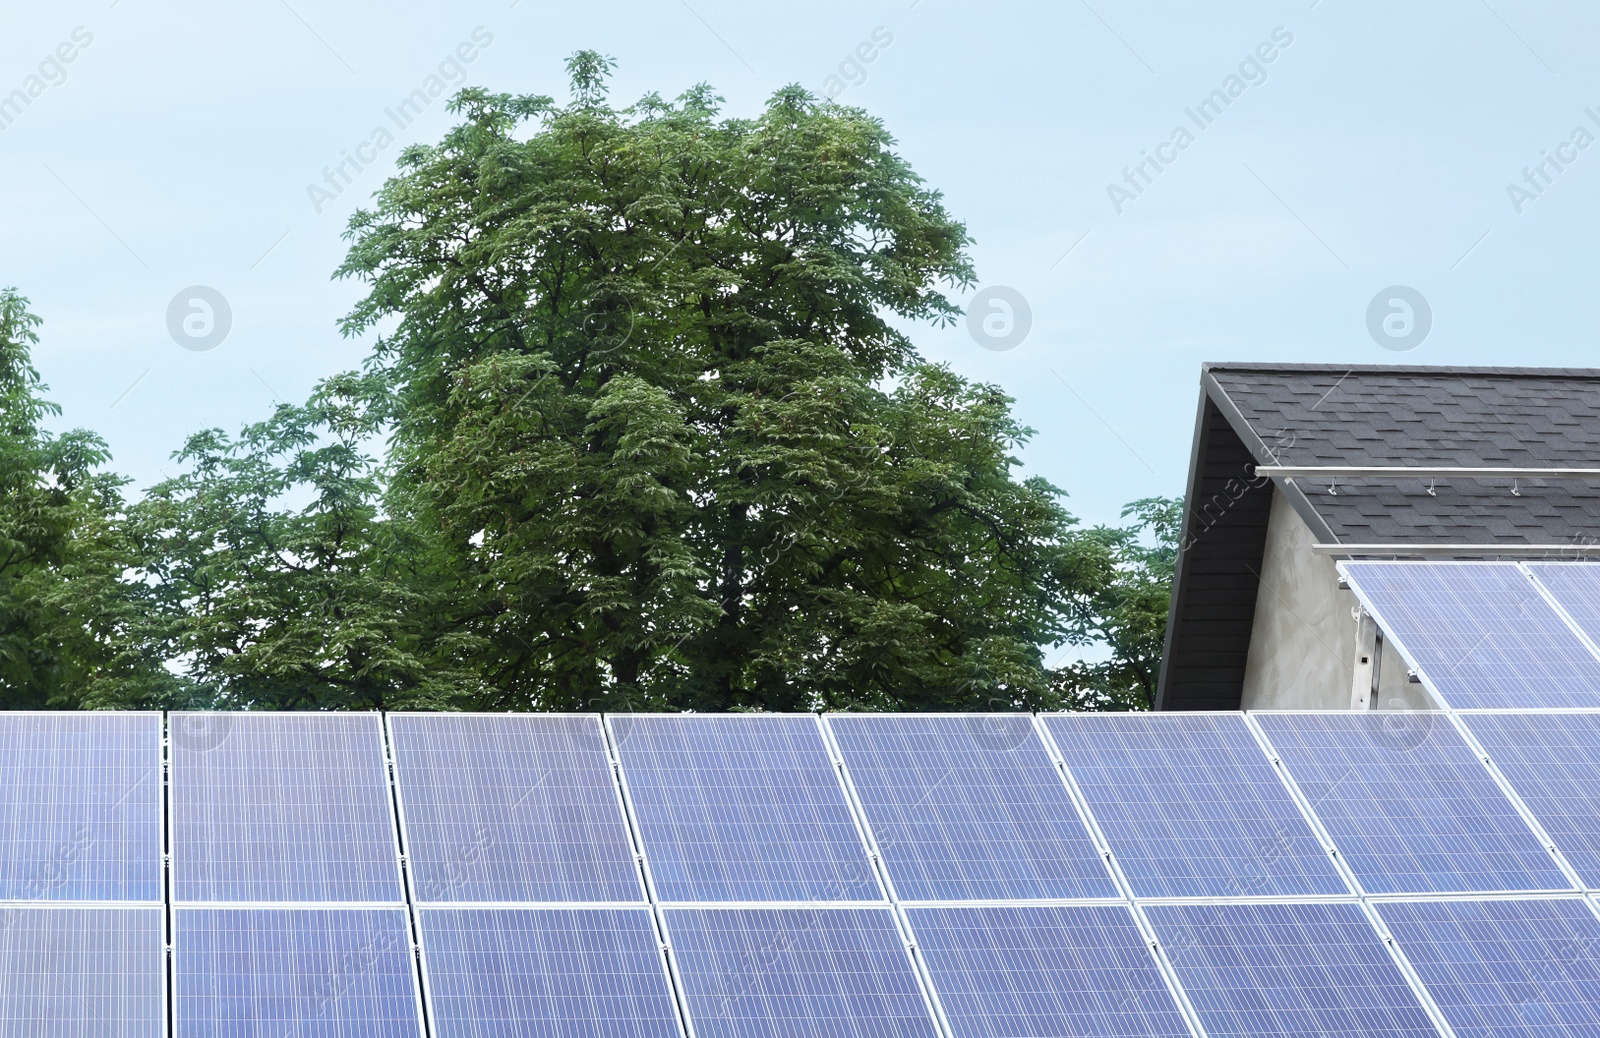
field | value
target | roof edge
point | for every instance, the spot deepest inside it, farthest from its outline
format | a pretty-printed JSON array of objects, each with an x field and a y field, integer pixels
[{"x": 1440, "y": 370}]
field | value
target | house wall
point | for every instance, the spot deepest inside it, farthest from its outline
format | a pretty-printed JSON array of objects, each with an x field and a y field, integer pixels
[{"x": 1303, "y": 641}]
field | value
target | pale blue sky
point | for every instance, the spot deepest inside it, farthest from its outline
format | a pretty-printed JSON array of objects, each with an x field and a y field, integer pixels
[{"x": 1378, "y": 151}]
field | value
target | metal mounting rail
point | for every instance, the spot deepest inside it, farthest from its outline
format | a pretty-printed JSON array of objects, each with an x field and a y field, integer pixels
[
  {"x": 1520, "y": 551},
  {"x": 1420, "y": 472}
]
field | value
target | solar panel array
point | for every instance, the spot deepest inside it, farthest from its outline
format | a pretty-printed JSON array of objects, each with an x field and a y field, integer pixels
[
  {"x": 969, "y": 809},
  {"x": 511, "y": 808},
  {"x": 730, "y": 810},
  {"x": 1306, "y": 968},
  {"x": 284, "y": 808},
  {"x": 930, "y": 876},
  {"x": 1505, "y": 967},
  {"x": 1491, "y": 634},
  {"x": 1191, "y": 807},
  {"x": 1412, "y": 811}
]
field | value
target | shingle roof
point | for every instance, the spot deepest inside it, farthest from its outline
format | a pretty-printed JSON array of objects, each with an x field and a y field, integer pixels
[
  {"x": 1366, "y": 415},
  {"x": 1382, "y": 415}
]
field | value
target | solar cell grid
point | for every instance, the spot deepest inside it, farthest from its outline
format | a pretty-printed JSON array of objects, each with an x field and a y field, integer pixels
[
  {"x": 1041, "y": 971},
  {"x": 969, "y": 808},
  {"x": 310, "y": 973},
  {"x": 511, "y": 808},
  {"x": 1553, "y": 762},
  {"x": 1287, "y": 969},
  {"x": 80, "y": 807},
  {"x": 1192, "y": 807},
  {"x": 1408, "y": 804},
  {"x": 793, "y": 972},
  {"x": 1576, "y": 586},
  {"x": 82, "y": 971},
  {"x": 741, "y": 808},
  {"x": 284, "y": 807},
  {"x": 545, "y": 973},
  {"x": 1481, "y": 632},
  {"x": 1498, "y": 969}
]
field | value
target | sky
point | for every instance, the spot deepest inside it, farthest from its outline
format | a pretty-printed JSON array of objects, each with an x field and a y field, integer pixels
[{"x": 1428, "y": 164}]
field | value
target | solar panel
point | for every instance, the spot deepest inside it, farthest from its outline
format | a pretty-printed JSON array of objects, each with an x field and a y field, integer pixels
[
  {"x": 796, "y": 973},
  {"x": 80, "y": 807},
  {"x": 1499, "y": 969},
  {"x": 306, "y": 972},
  {"x": 1041, "y": 971},
  {"x": 1553, "y": 762},
  {"x": 284, "y": 807},
  {"x": 1576, "y": 586},
  {"x": 1192, "y": 807},
  {"x": 511, "y": 808},
  {"x": 969, "y": 808},
  {"x": 545, "y": 973},
  {"x": 82, "y": 971},
  {"x": 741, "y": 808},
  {"x": 1481, "y": 632},
  {"x": 1287, "y": 969},
  {"x": 1409, "y": 806}
]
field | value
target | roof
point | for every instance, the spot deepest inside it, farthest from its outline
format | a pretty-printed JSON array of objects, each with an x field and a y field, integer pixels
[
  {"x": 1364, "y": 415},
  {"x": 1472, "y": 417}
]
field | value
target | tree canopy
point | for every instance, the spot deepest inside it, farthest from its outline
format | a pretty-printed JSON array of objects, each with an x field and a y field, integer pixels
[{"x": 643, "y": 427}]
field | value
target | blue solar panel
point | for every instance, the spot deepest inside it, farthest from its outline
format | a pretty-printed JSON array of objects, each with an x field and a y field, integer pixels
[
  {"x": 1576, "y": 586},
  {"x": 969, "y": 808},
  {"x": 1553, "y": 762},
  {"x": 305, "y": 972},
  {"x": 511, "y": 808},
  {"x": 545, "y": 973},
  {"x": 283, "y": 807},
  {"x": 1408, "y": 805},
  {"x": 796, "y": 973},
  {"x": 1499, "y": 969},
  {"x": 1043, "y": 971},
  {"x": 1192, "y": 807},
  {"x": 80, "y": 807},
  {"x": 1287, "y": 969},
  {"x": 1481, "y": 632},
  {"x": 741, "y": 808},
  {"x": 82, "y": 971}
]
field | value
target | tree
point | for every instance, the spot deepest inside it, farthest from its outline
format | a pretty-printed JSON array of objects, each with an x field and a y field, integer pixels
[
  {"x": 649, "y": 401},
  {"x": 279, "y": 581},
  {"x": 1127, "y": 614},
  {"x": 71, "y": 627}
]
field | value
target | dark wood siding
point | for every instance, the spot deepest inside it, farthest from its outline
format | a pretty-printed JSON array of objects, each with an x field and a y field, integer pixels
[{"x": 1214, "y": 597}]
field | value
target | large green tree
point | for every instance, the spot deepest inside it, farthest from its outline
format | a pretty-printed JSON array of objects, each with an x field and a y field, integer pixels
[
  {"x": 279, "y": 581},
  {"x": 653, "y": 405},
  {"x": 73, "y": 629}
]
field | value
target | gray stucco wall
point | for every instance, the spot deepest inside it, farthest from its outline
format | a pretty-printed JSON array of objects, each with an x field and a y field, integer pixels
[{"x": 1303, "y": 642}]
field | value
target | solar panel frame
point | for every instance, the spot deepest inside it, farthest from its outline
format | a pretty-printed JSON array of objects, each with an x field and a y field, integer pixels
[
  {"x": 623, "y": 820},
  {"x": 1550, "y": 653},
  {"x": 639, "y": 825},
  {"x": 1142, "y": 883},
  {"x": 399, "y": 914},
  {"x": 401, "y": 876},
  {"x": 45, "y": 875},
  {"x": 427, "y": 938},
  {"x": 1379, "y": 961},
  {"x": 1090, "y": 877},
  {"x": 95, "y": 942},
  {"x": 689, "y": 974},
  {"x": 952, "y": 980},
  {"x": 1439, "y": 730},
  {"x": 1553, "y": 920},
  {"x": 1578, "y": 852}
]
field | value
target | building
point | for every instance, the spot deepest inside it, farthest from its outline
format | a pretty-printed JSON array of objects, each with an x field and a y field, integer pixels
[{"x": 1297, "y": 466}]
